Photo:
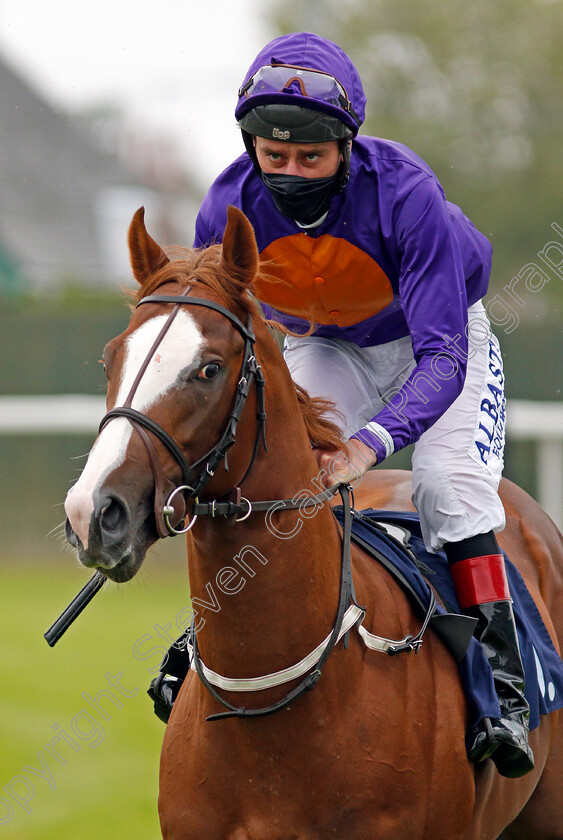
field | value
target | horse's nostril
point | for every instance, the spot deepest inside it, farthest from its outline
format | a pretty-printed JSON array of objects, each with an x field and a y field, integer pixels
[
  {"x": 110, "y": 515},
  {"x": 113, "y": 518},
  {"x": 70, "y": 534}
]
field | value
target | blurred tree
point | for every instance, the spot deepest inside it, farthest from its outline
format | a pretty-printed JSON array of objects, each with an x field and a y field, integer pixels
[{"x": 476, "y": 89}]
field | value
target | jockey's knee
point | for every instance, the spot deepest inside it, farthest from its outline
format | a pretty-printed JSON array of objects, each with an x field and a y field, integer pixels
[{"x": 454, "y": 501}]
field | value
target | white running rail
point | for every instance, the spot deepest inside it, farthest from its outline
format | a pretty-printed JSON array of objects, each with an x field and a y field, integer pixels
[{"x": 539, "y": 422}]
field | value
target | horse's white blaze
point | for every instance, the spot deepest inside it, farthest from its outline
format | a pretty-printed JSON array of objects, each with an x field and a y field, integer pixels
[{"x": 180, "y": 348}]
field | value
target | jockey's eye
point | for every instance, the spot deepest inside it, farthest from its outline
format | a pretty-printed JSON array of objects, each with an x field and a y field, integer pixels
[{"x": 209, "y": 371}]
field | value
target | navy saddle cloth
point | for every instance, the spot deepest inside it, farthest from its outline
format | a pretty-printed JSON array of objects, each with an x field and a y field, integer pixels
[{"x": 542, "y": 663}]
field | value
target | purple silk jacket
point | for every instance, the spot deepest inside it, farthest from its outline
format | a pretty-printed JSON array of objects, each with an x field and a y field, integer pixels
[{"x": 393, "y": 258}]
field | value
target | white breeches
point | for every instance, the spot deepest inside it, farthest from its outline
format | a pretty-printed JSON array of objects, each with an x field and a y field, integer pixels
[{"x": 457, "y": 463}]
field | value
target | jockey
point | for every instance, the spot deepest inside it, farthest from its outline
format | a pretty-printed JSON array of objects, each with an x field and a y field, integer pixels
[{"x": 392, "y": 275}]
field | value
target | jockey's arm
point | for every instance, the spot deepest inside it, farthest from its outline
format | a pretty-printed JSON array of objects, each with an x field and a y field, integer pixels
[{"x": 433, "y": 297}]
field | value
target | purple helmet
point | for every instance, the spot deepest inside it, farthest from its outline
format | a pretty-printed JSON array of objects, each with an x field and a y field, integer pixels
[{"x": 301, "y": 88}]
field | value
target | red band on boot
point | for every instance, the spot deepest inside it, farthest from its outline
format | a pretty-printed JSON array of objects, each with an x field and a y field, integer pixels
[{"x": 480, "y": 580}]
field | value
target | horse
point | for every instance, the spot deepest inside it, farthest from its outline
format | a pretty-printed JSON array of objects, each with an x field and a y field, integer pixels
[{"x": 207, "y": 434}]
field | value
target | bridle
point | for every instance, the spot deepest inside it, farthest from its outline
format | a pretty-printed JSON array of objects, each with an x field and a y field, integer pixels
[{"x": 169, "y": 499}]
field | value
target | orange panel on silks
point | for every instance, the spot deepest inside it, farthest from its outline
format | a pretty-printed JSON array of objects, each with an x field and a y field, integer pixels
[{"x": 326, "y": 280}]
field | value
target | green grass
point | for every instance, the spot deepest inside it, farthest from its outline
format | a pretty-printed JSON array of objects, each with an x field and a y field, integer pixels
[{"x": 108, "y": 788}]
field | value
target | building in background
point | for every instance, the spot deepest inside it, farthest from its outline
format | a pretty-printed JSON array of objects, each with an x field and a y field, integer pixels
[{"x": 67, "y": 198}]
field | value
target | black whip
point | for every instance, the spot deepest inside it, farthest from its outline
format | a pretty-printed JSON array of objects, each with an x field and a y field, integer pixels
[{"x": 74, "y": 609}]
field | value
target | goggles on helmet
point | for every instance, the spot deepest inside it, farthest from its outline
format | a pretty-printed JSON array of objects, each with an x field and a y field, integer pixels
[{"x": 285, "y": 78}]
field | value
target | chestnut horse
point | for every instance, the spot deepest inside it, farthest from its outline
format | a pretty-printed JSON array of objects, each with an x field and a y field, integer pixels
[{"x": 377, "y": 749}]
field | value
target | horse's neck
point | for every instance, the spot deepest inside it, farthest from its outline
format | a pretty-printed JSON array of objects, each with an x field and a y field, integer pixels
[
  {"x": 266, "y": 590},
  {"x": 252, "y": 588}
]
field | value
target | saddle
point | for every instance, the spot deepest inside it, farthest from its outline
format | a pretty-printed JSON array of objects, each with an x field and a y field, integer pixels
[{"x": 394, "y": 540}]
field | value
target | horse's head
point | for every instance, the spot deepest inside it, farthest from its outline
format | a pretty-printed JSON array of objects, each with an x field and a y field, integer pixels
[{"x": 174, "y": 390}]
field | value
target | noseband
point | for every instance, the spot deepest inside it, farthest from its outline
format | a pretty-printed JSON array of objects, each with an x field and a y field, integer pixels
[{"x": 169, "y": 498}]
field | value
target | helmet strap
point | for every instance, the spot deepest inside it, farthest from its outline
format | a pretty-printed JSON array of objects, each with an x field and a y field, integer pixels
[
  {"x": 248, "y": 140},
  {"x": 344, "y": 168}
]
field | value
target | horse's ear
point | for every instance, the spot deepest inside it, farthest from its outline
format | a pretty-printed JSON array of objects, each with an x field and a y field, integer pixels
[
  {"x": 240, "y": 252},
  {"x": 145, "y": 254}
]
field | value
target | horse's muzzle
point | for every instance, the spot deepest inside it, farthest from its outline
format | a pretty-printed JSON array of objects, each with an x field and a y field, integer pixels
[{"x": 109, "y": 544}]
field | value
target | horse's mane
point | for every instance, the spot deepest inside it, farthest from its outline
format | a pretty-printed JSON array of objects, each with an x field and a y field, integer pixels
[
  {"x": 323, "y": 433},
  {"x": 200, "y": 265}
]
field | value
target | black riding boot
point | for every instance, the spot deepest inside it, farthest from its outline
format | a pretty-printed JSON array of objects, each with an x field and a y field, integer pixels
[
  {"x": 164, "y": 689},
  {"x": 505, "y": 741},
  {"x": 482, "y": 589}
]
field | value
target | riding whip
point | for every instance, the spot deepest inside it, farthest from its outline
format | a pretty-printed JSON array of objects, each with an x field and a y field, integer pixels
[{"x": 74, "y": 609}]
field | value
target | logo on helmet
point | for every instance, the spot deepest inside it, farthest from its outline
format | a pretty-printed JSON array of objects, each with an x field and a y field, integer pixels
[{"x": 281, "y": 135}]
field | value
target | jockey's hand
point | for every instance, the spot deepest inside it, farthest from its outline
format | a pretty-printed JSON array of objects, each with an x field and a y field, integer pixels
[{"x": 345, "y": 466}]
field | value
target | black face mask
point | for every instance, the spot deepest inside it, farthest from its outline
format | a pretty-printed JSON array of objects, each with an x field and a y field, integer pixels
[{"x": 302, "y": 199}]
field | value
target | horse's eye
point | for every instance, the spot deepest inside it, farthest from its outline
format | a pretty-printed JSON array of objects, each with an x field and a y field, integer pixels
[{"x": 209, "y": 372}]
